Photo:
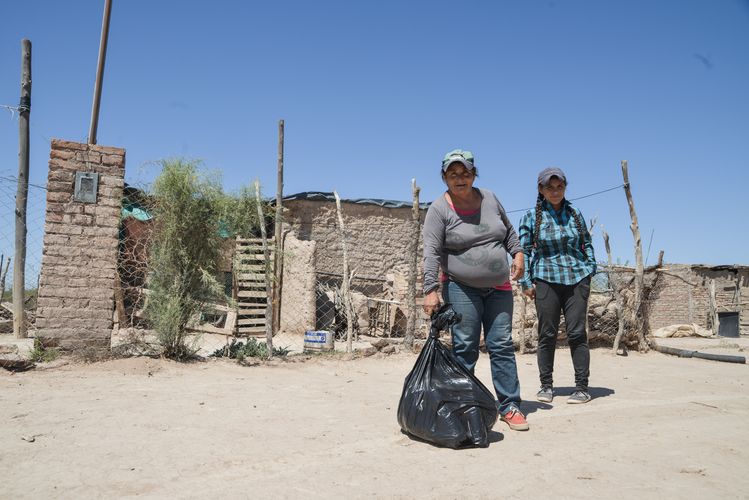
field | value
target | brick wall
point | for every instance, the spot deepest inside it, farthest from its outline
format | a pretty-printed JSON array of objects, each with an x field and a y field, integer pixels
[
  {"x": 679, "y": 298},
  {"x": 682, "y": 295},
  {"x": 79, "y": 257}
]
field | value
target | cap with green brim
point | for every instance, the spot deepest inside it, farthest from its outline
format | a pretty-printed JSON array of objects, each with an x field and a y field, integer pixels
[{"x": 460, "y": 156}]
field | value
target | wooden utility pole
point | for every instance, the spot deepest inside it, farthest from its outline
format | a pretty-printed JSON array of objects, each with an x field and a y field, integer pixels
[
  {"x": 345, "y": 285},
  {"x": 100, "y": 72},
  {"x": 408, "y": 341},
  {"x": 639, "y": 266},
  {"x": 278, "y": 256},
  {"x": 266, "y": 260},
  {"x": 22, "y": 193}
]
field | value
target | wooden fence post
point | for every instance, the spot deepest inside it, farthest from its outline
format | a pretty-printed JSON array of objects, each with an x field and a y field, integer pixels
[
  {"x": 278, "y": 256},
  {"x": 523, "y": 315},
  {"x": 712, "y": 303},
  {"x": 345, "y": 284},
  {"x": 408, "y": 341},
  {"x": 617, "y": 296},
  {"x": 587, "y": 305},
  {"x": 639, "y": 267},
  {"x": 22, "y": 193},
  {"x": 4, "y": 265},
  {"x": 268, "y": 290}
]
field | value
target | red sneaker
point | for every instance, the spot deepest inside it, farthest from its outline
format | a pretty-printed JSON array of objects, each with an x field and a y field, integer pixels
[{"x": 516, "y": 420}]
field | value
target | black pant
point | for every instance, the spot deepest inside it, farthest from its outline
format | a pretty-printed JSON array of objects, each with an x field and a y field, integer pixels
[{"x": 551, "y": 300}]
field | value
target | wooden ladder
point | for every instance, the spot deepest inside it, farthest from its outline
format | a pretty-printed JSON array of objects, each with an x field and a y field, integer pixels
[{"x": 252, "y": 299}]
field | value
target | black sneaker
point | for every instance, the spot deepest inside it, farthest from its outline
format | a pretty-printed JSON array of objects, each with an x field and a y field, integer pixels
[
  {"x": 579, "y": 397},
  {"x": 546, "y": 394}
]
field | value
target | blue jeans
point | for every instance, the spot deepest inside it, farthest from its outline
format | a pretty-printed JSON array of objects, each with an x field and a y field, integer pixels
[{"x": 492, "y": 309}]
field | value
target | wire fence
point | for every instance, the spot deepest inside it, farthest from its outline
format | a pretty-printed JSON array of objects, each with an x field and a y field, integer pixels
[
  {"x": 36, "y": 205},
  {"x": 378, "y": 302},
  {"x": 136, "y": 230},
  {"x": 311, "y": 291},
  {"x": 311, "y": 296}
]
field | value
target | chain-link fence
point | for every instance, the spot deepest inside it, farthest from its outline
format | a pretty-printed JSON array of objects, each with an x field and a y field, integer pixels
[
  {"x": 136, "y": 229},
  {"x": 609, "y": 306},
  {"x": 36, "y": 203},
  {"x": 376, "y": 310}
]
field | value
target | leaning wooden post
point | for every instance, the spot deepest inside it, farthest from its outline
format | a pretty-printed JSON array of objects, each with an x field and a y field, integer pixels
[
  {"x": 523, "y": 316},
  {"x": 345, "y": 283},
  {"x": 266, "y": 256},
  {"x": 639, "y": 267},
  {"x": 413, "y": 258},
  {"x": 712, "y": 303},
  {"x": 617, "y": 296},
  {"x": 278, "y": 256},
  {"x": 22, "y": 193},
  {"x": 3, "y": 274},
  {"x": 587, "y": 305}
]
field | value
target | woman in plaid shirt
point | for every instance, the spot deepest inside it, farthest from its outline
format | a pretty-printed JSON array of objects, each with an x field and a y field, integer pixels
[{"x": 559, "y": 263}]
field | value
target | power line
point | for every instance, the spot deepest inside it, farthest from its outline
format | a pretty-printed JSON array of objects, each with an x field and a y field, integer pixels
[
  {"x": 11, "y": 109},
  {"x": 572, "y": 199},
  {"x": 15, "y": 179}
]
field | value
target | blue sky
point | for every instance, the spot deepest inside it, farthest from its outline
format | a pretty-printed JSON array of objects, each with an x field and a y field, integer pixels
[{"x": 373, "y": 94}]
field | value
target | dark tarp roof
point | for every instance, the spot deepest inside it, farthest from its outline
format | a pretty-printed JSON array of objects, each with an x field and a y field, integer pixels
[{"x": 326, "y": 196}]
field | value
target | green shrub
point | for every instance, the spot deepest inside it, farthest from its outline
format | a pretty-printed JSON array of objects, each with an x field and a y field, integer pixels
[
  {"x": 184, "y": 252},
  {"x": 42, "y": 354},
  {"x": 251, "y": 349},
  {"x": 192, "y": 216}
]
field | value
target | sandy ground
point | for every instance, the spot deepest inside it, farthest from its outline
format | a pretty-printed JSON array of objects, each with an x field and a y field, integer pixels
[{"x": 659, "y": 427}]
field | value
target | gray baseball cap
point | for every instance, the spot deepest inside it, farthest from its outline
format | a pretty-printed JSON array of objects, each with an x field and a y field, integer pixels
[
  {"x": 460, "y": 156},
  {"x": 546, "y": 174}
]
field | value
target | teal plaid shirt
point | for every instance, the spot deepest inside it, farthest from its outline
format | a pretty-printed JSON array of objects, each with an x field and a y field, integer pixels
[{"x": 559, "y": 255}]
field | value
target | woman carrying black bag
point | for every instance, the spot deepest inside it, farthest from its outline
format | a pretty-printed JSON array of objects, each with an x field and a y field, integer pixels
[
  {"x": 467, "y": 236},
  {"x": 559, "y": 264}
]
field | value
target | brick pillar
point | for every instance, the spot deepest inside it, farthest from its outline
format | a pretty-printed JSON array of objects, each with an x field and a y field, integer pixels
[{"x": 79, "y": 259}]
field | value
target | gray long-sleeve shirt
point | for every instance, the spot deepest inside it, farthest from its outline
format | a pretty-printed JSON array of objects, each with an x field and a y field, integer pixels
[{"x": 470, "y": 249}]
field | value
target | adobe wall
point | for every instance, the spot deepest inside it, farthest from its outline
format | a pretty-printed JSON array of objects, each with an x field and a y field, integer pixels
[
  {"x": 79, "y": 257},
  {"x": 298, "y": 313},
  {"x": 377, "y": 238}
]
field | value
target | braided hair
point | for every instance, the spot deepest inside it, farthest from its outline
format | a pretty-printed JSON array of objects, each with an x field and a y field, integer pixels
[
  {"x": 570, "y": 211},
  {"x": 539, "y": 216}
]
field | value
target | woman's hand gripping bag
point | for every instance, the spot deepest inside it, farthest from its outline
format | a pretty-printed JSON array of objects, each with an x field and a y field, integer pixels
[{"x": 442, "y": 402}]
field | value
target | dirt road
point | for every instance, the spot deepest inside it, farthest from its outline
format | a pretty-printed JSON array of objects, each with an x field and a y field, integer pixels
[{"x": 659, "y": 427}]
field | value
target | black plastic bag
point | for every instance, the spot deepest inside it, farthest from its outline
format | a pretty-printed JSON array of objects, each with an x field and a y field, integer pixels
[{"x": 442, "y": 402}]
